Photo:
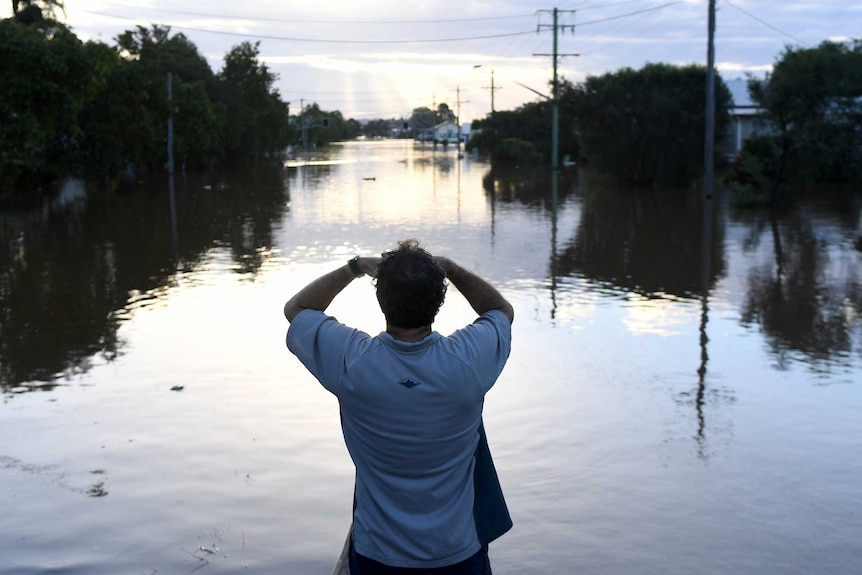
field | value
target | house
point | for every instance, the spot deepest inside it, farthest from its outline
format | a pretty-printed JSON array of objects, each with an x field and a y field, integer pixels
[
  {"x": 746, "y": 118},
  {"x": 446, "y": 132}
]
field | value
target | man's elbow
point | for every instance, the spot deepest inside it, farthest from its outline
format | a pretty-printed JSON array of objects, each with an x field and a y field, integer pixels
[
  {"x": 291, "y": 310},
  {"x": 508, "y": 311}
]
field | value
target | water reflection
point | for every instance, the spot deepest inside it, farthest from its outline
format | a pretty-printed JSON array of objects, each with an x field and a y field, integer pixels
[
  {"x": 705, "y": 289},
  {"x": 530, "y": 187},
  {"x": 72, "y": 272},
  {"x": 803, "y": 286},
  {"x": 643, "y": 241}
]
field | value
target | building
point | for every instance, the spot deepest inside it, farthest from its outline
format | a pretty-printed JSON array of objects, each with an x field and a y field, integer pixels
[
  {"x": 446, "y": 132},
  {"x": 746, "y": 118}
]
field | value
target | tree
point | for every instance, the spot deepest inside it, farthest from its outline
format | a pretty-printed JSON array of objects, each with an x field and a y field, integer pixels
[
  {"x": 376, "y": 129},
  {"x": 444, "y": 114},
  {"x": 34, "y": 11},
  {"x": 530, "y": 123},
  {"x": 646, "y": 126},
  {"x": 149, "y": 54},
  {"x": 422, "y": 119},
  {"x": 813, "y": 99},
  {"x": 47, "y": 76},
  {"x": 258, "y": 124}
]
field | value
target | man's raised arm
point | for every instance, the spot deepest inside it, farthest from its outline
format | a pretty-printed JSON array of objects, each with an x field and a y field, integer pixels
[
  {"x": 481, "y": 295},
  {"x": 319, "y": 294}
]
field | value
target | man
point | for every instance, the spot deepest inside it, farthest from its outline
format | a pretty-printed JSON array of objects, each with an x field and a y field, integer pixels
[{"x": 411, "y": 411}]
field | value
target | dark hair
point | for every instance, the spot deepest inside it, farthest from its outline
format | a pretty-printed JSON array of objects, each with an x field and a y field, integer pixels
[{"x": 411, "y": 286}]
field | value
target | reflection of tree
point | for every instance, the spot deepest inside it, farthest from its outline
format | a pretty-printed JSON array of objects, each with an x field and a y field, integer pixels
[
  {"x": 69, "y": 276},
  {"x": 528, "y": 186},
  {"x": 658, "y": 243},
  {"x": 795, "y": 299},
  {"x": 646, "y": 241}
]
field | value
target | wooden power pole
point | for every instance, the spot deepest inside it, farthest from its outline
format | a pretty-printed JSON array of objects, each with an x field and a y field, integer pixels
[
  {"x": 709, "y": 138},
  {"x": 555, "y": 102}
]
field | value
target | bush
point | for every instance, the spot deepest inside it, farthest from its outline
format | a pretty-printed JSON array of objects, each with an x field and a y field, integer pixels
[{"x": 515, "y": 152}]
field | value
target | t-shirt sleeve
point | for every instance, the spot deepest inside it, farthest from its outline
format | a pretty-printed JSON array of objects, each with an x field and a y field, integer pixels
[
  {"x": 322, "y": 344},
  {"x": 486, "y": 345}
]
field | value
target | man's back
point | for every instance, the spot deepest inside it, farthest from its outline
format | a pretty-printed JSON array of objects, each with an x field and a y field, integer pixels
[
  {"x": 410, "y": 414},
  {"x": 411, "y": 410}
]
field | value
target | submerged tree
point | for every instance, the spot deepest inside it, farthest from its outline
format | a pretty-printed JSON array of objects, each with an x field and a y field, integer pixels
[
  {"x": 515, "y": 137},
  {"x": 813, "y": 100},
  {"x": 47, "y": 76},
  {"x": 148, "y": 55},
  {"x": 258, "y": 118},
  {"x": 646, "y": 126}
]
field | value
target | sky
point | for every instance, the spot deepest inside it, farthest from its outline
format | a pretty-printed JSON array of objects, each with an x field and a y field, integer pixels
[{"x": 383, "y": 58}]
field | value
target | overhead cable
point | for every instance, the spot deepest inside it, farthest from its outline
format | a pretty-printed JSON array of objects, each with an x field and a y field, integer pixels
[
  {"x": 343, "y": 41},
  {"x": 765, "y": 23},
  {"x": 352, "y": 22},
  {"x": 318, "y": 40}
]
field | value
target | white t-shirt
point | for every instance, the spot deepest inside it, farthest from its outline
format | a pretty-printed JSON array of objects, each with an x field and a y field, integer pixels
[{"x": 410, "y": 414}]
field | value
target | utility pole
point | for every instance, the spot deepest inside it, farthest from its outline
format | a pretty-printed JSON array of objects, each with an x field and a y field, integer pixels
[
  {"x": 493, "y": 89},
  {"x": 302, "y": 121},
  {"x": 170, "y": 124},
  {"x": 709, "y": 142},
  {"x": 555, "y": 102},
  {"x": 458, "y": 117}
]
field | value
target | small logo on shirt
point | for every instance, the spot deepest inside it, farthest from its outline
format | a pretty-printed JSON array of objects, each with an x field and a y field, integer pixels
[{"x": 409, "y": 383}]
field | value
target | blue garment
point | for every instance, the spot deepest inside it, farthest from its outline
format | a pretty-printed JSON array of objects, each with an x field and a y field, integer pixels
[{"x": 411, "y": 414}]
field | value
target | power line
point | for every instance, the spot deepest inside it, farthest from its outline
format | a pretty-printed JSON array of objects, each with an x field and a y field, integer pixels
[
  {"x": 588, "y": 44},
  {"x": 318, "y": 40},
  {"x": 341, "y": 92},
  {"x": 582, "y": 8},
  {"x": 355, "y": 22},
  {"x": 645, "y": 10},
  {"x": 765, "y": 23}
]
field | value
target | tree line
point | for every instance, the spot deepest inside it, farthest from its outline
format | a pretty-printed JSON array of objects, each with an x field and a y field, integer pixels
[
  {"x": 812, "y": 103},
  {"x": 646, "y": 126},
  {"x": 641, "y": 126},
  {"x": 69, "y": 106}
]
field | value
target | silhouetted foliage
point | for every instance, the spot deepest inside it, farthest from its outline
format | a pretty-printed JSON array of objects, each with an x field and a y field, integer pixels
[
  {"x": 646, "y": 126},
  {"x": 529, "y": 123},
  {"x": 258, "y": 119},
  {"x": 46, "y": 79},
  {"x": 70, "y": 106},
  {"x": 813, "y": 99}
]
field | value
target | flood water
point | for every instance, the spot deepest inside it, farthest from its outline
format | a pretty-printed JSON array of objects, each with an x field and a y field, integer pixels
[{"x": 683, "y": 395}]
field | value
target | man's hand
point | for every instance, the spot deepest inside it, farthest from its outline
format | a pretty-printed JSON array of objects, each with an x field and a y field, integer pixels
[
  {"x": 444, "y": 263},
  {"x": 368, "y": 265},
  {"x": 319, "y": 294},
  {"x": 480, "y": 294}
]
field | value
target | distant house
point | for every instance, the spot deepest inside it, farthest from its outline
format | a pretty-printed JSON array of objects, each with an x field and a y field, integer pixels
[
  {"x": 746, "y": 118},
  {"x": 446, "y": 132}
]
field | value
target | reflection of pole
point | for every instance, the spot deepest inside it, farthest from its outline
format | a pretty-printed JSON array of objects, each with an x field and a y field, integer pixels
[
  {"x": 705, "y": 275},
  {"x": 709, "y": 142},
  {"x": 554, "y": 198},
  {"x": 173, "y": 202},
  {"x": 459, "y": 181},
  {"x": 493, "y": 193}
]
